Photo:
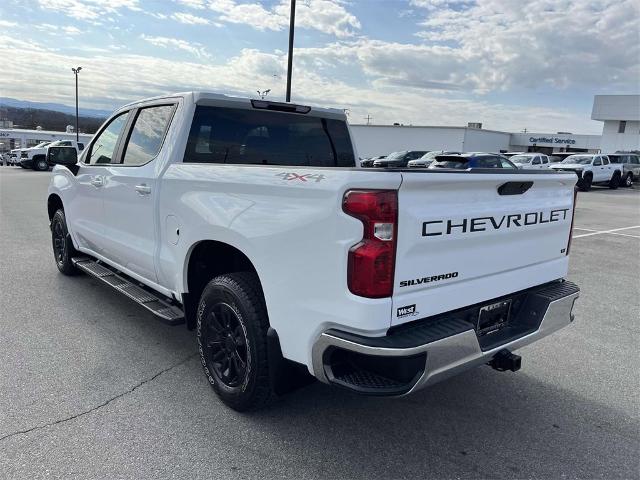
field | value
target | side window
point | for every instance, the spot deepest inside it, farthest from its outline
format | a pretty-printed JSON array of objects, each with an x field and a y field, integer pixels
[
  {"x": 545, "y": 159},
  {"x": 488, "y": 162},
  {"x": 635, "y": 160},
  {"x": 505, "y": 163},
  {"x": 80, "y": 146},
  {"x": 104, "y": 146},
  {"x": 147, "y": 134},
  {"x": 605, "y": 161},
  {"x": 536, "y": 161},
  {"x": 597, "y": 162}
]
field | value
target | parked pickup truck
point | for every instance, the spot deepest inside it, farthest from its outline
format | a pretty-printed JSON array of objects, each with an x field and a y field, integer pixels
[
  {"x": 36, "y": 157},
  {"x": 249, "y": 221},
  {"x": 591, "y": 169},
  {"x": 630, "y": 164}
]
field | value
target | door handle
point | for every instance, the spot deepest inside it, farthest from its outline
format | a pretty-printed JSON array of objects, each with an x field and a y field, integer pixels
[
  {"x": 97, "y": 181},
  {"x": 143, "y": 189}
]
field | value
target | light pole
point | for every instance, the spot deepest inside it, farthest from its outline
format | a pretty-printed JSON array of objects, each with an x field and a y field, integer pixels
[
  {"x": 292, "y": 21},
  {"x": 76, "y": 71}
]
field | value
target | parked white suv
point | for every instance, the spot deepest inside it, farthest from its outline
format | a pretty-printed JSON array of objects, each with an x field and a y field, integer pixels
[
  {"x": 530, "y": 160},
  {"x": 591, "y": 169},
  {"x": 249, "y": 221}
]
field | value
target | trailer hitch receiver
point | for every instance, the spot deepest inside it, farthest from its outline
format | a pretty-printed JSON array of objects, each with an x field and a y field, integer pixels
[{"x": 505, "y": 360}]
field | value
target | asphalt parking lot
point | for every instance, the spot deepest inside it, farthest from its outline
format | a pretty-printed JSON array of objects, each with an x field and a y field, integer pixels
[{"x": 92, "y": 386}]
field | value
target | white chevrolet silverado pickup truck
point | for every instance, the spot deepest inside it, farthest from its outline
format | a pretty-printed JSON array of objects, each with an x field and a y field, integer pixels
[{"x": 249, "y": 221}]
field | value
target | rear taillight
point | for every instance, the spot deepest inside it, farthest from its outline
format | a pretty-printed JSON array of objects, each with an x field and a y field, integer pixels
[
  {"x": 573, "y": 216},
  {"x": 372, "y": 260}
]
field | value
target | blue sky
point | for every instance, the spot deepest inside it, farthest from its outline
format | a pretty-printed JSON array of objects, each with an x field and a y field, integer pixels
[{"x": 511, "y": 64}]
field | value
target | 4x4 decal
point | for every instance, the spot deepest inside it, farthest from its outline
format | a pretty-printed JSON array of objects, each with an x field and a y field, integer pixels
[{"x": 301, "y": 177}]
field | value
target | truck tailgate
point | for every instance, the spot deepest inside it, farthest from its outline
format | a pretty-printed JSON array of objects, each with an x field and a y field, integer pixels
[{"x": 466, "y": 237}]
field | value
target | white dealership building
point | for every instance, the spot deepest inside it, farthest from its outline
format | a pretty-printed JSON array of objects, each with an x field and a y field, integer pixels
[
  {"x": 374, "y": 140},
  {"x": 621, "y": 117}
]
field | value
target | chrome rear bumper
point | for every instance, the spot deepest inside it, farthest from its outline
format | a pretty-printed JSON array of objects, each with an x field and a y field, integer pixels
[{"x": 446, "y": 356}]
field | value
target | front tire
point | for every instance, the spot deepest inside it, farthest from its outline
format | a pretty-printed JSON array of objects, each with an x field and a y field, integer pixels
[
  {"x": 231, "y": 330},
  {"x": 63, "y": 250},
  {"x": 614, "y": 183},
  {"x": 585, "y": 184}
]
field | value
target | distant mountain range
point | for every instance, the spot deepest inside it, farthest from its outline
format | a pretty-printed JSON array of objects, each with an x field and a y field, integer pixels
[{"x": 56, "y": 107}]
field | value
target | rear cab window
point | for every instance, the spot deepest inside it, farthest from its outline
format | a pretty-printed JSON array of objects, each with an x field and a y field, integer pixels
[{"x": 260, "y": 137}]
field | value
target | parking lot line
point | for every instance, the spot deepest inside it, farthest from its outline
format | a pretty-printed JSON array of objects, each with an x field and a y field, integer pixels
[{"x": 600, "y": 232}]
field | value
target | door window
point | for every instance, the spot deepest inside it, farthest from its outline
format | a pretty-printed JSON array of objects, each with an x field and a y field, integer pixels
[
  {"x": 605, "y": 161},
  {"x": 536, "y": 161},
  {"x": 147, "y": 134},
  {"x": 597, "y": 162},
  {"x": 104, "y": 147},
  {"x": 545, "y": 159}
]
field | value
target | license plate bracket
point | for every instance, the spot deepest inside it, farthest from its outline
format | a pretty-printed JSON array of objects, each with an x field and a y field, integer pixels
[{"x": 494, "y": 317}]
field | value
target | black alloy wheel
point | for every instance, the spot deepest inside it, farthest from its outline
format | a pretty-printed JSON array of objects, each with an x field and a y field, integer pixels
[
  {"x": 63, "y": 250},
  {"x": 225, "y": 342},
  {"x": 59, "y": 242},
  {"x": 231, "y": 330}
]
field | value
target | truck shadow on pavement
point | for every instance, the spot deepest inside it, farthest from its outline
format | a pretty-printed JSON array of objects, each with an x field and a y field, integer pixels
[{"x": 481, "y": 424}]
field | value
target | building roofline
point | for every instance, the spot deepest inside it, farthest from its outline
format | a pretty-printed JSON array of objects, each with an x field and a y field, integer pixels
[
  {"x": 42, "y": 132},
  {"x": 478, "y": 129}
]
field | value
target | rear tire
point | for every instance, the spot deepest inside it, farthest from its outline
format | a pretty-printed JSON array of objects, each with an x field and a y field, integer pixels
[
  {"x": 585, "y": 184},
  {"x": 628, "y": 180},
  {"x": 63, "y": 250},
  {"x": 614, "y": 183},
  {"x": 231, "y": 329}
]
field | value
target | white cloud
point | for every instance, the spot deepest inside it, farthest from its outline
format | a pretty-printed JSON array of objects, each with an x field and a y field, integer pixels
[
  {"x": 252, "y": 14},
  {"x": 197, "y": 4},
  {"x": 166, "y": 42},
  {"x": 138, "y": 76},
  {"x": 543, "y": 42},
  {"x": 189, "y": 19},
  {"x": 326, "y": 16},
  {"x": 52, "y": 29},
  {"x": 71, "y": 30},
  {"x": 7, "y": 24},
  {"x": 88, "y": 10}
]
